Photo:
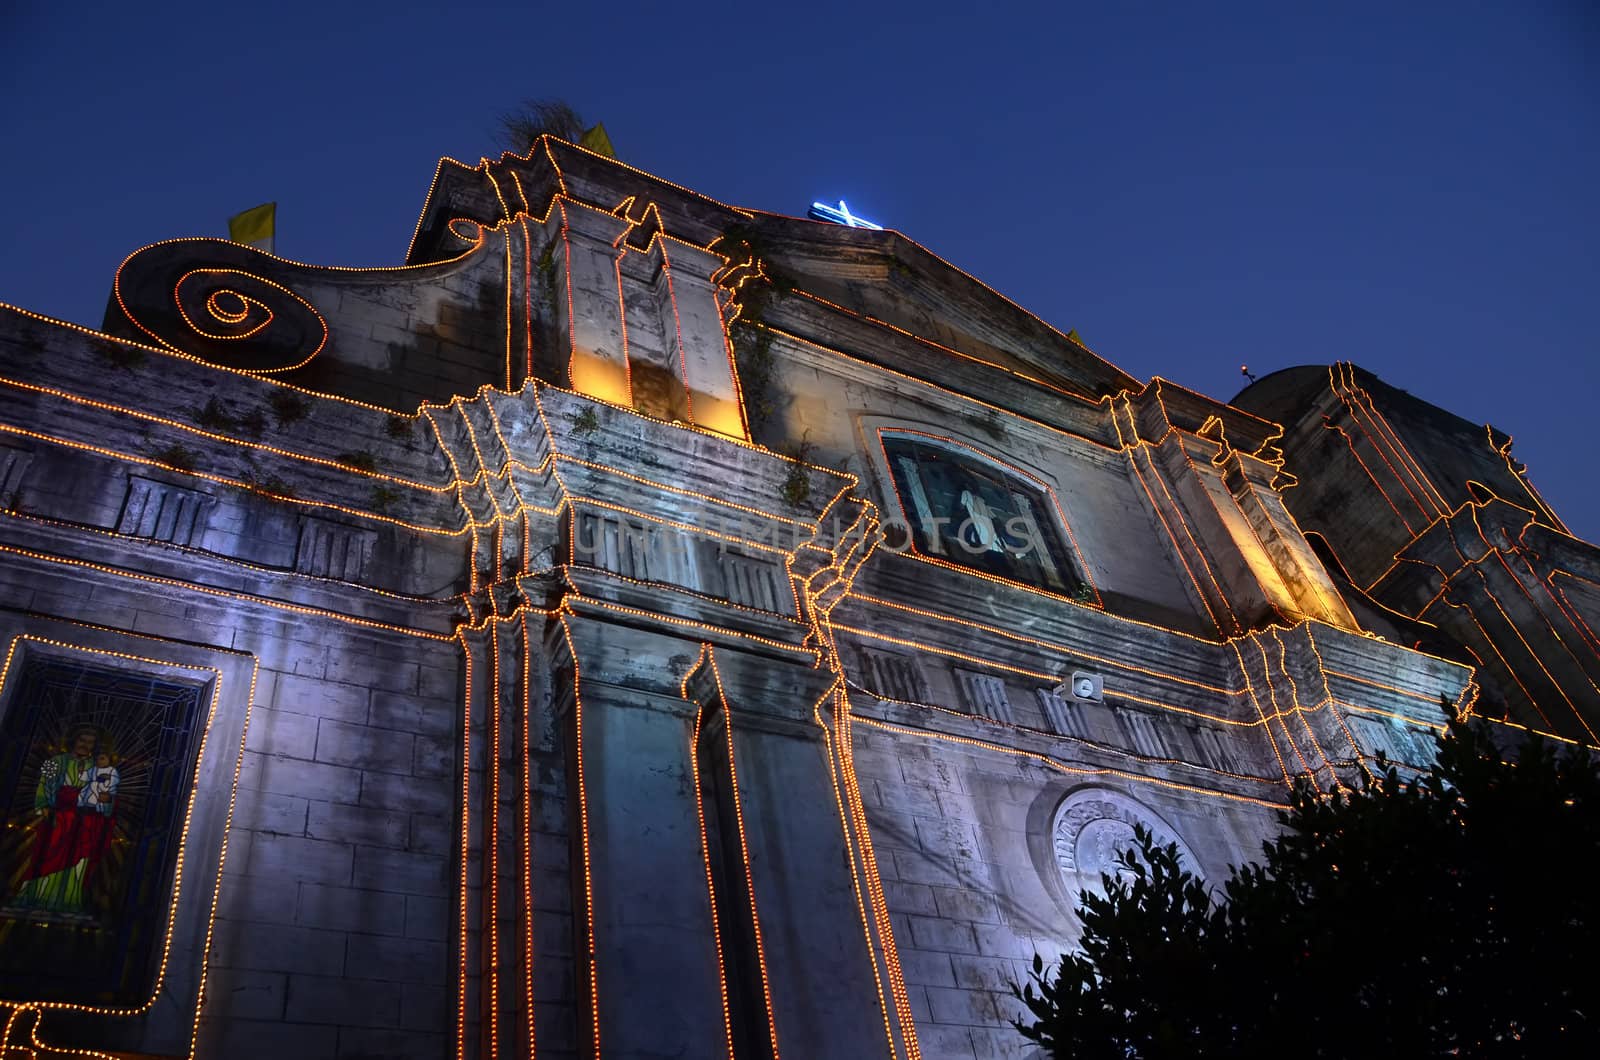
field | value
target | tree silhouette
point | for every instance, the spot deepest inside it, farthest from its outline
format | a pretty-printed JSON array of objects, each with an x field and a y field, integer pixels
[{"x": 1448, "y": 915}]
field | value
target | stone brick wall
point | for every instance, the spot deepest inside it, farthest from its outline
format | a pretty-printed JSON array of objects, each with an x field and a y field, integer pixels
[
  {"x": 332, "y": 933},
  {"x": 482, "y": 803},
  {"x": 973, "y": 885}
]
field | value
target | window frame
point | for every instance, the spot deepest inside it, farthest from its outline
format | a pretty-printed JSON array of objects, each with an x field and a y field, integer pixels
[{"x": 1072, "y": 561}]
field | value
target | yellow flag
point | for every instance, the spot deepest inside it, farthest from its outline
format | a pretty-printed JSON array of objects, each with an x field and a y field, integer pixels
[
  {"x": 254, "y": 226},
  {"x": 597, "y": 141}
]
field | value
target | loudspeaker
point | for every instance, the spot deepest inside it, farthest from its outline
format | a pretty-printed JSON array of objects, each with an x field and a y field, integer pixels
[{"x": 1086, "y": 688}]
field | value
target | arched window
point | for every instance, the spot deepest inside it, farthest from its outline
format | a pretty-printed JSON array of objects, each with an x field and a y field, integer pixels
[{"x": 974, "y": 512}]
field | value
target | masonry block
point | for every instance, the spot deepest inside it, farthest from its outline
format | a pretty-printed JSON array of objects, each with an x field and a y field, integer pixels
[
  {"x": 403, "y": 871},
  {"x": 344, "y": 1000},
  {"x": 949, "y": 936},
  {"x": 278, "y": 948},
  {"x": 339, "y": 743},
  {"x": 353, "y": 824},
  {"x": 397, "y": 960},
  {"x": 292, "y": 858},
  {"x": 392, "y": 791},
  {"x": 350, "y": 909}
]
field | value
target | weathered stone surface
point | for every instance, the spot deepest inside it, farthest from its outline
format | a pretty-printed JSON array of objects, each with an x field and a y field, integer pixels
[{"x": 573, "y": 684}]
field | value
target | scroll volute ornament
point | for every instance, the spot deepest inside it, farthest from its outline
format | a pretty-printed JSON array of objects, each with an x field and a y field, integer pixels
[{"x": 216, "y": 300}]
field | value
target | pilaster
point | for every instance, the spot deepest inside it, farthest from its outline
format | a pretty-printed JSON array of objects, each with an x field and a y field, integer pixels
[
  {"x": 817, "y": 965},
  {"x": 589, "y": 300},
  {"x": 1473, "y": 574},
  {"x": 646, "y": 938}
]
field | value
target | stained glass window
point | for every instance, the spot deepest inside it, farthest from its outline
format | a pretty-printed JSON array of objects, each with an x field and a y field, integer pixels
[
  {"x": 973, "y": 512},
  {"x": 95, "y": 766}
]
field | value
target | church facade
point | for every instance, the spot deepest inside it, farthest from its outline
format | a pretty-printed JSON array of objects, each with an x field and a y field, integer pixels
[{"x": 638, "y": 626}]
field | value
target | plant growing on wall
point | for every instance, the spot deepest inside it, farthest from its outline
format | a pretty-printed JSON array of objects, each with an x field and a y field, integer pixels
[
  {"x": 384, "y": 498},
  {"x": 520, "y": 126},
  {"x": 288, "y": 407},
  {"x": 361, "y": 461},
  {"x": 546, "y": 268},
  {"x": 214, "y": 416},
  {"x": 118, "y": 355},
  {"x": 585, "y": 421},
  {"x": 796, "y": 489},
  {"x": 176, "y": 456},
  {"x": 252, "y": 423},
  {"x": 989, "y": 423},
  {"x": 754, "y": 284}
]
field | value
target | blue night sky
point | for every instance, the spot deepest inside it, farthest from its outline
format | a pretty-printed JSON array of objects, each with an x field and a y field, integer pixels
[{"x": 1191, "y": 186}]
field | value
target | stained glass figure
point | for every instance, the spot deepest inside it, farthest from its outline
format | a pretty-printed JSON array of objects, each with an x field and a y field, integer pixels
[
  {"x": 95, "y": 768},
  {"x": 73, "y": 805}
]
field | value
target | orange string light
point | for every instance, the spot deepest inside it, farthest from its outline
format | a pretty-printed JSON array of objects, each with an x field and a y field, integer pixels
[
  {"x": 820, "y": 571},
  {"x": 705, "y": 851},
  {"x": 744, "y": 850}
]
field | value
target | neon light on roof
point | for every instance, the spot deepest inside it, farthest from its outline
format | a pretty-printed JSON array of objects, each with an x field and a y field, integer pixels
[{"x": 840, "y": 215}]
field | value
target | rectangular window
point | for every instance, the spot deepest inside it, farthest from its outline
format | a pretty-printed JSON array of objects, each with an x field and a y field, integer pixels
[{"x": 972, "y": 512}]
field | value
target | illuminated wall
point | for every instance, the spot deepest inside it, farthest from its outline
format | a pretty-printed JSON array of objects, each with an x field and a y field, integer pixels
[
  {"x": 604, "y": 700},
  {"x": 1437, "y": 526}
]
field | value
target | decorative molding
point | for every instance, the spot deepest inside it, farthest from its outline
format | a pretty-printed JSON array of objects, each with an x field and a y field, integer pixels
[
  {"x": 1143, "y": 734},
  {"x": 333, "y": 550},
  {"x": 636, "y": 550},
  {"x": 984, "y": 695},
  {"x": 163, "y": 511},
  {"x": 14, "y": 464},
  {"x": 1094, "y": 825},
  {"x": 1214, "y": 749},
  {"x": 1064, "y": 716},
  {"x": 893, "y": 676},
  {"x": 216, "y": 299},
  {"x": 754, "y": 583}
]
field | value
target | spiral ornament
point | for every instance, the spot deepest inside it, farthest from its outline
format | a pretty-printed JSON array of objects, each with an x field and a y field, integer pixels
[{"x": 226, "y": 312}]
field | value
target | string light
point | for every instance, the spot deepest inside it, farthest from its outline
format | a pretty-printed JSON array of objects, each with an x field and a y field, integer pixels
[
  {"x": 466, "y": 845},
  {"x": 427, "y": 202},
  {"x": 1062, "y": 767},
  {"x": 231, "y": 561},
  {"x": 225, "y": 593},
  {"x": 744, "y": 848},
  {"x": 527, "y": 835},
  {"x": 150, "y": 417},
  {"x": 491, "y": 845},
  {"x": 1077, "y": 348},
  {"x": 1042, "y": 675},
  {"x": 1382, "y": 438},
  {"x": 1054, "y": 646},
  {"x": 1135, "y": 447},
  {"x": 835, "y": 765},
  {"x": 1356, "y": 401},
  {"x": 1028, "y": 731},
  {"x": 880, "y": 905},
  {"x": 820, "y": 575},
  {"x": 705, "y": 849},
  {"x": 1071, "y": 395}
]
